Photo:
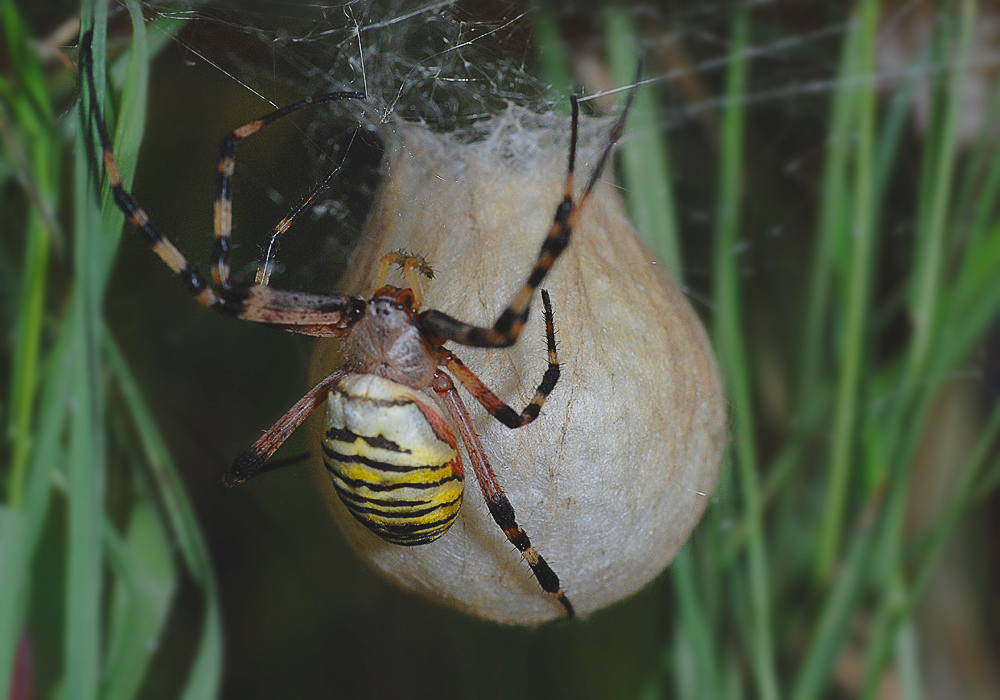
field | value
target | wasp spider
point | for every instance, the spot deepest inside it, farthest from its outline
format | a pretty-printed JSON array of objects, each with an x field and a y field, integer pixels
[{"x": 392, "y": 454}]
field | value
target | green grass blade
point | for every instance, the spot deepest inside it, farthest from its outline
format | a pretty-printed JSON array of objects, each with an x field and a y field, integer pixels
[
  {"x": 930, "y": 258},
  {"x": 205, "y": 676},
  {"x": 32, "y": 108},
  {"x": 977, "y": 166},
  {"x": 733, "y": 356},
  {"x": 14, "y": 561},
  {"x": 832, "y": 215},
  {"x": 25, "y": 63},
  {"x": 644, "y": 159},
  {"x": 144, "y": 586},
  {"x": 965, "y": 492},
  {"x": 909, "y": 664},
  {"x": 926, "y": 285},
  {"x": 552, "y": 56},
  {"x": 697, "y": 633},
  {"x": 86, "y": 480},
  {"x": 812, "y": 677},
  {"x": 24, "y": 511},
  {"x": 862, "y": 239},
  {"x": 903, "y": 593},
  {"x": 129, "y": 128},
  {"x": 16, "y": 570},
  {"x": 82, "y": 641}
]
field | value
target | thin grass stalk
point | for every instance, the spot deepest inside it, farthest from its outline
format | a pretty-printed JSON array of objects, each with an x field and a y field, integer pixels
[
  {"x": 733, "y": 679},
  {"x": 978, "y": 166},
  {"x": 908, "y": 662},
  {"x": 694, "y": 625},
  {"x": 984, "y": 212},
  {"x": 733, "y": 355},
  {"x": 957, "y": 506},
  {"x": 972, "y": 299},
  {"x": 142, "y": 564},
  {"x": 882, "y": 443},
  {"x": 974, "y": 296},
  {"x": 779, "y": 471},
  {"x": 893, "y": 126},
  {"x": 862, "y": 240},
  {"x": 129, "y": 127},
  {"x": 888, "y": 572},
  {"x": 931, "y": 236},
  {"x": 903, "y": 593},
  {"x": 552, "y": 56},
  {"x": 650, "y": 198},
  {"x": 82, "y": 640},
  {"x": 836, "y": 612},
  {"x": 85, "y": 473},
  {"x": 23, "y": 543},
  {"x": 831, "y": 221},
  {"x": 143, "y": 568},
  {"x": 980, "y": 313},
  {"x": 881, "y": 638},
  {"x": 85, "y": 648},
  {"x": 644, "y": 153},
  {"x": 677, "y": 659}
]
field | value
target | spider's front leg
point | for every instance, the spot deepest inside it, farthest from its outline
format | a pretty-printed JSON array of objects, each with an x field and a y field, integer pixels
[
  {"x": 299, "y": 312},
  {"x": 508, "y": 326}
]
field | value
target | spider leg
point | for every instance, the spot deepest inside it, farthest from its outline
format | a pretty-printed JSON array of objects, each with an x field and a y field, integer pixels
[
  {"x": 301, "y": 312},
  {"x": 266, "y": 265},
  {"x": 500, "y": 508},
  {"x": 224, "y": 188},
  {"x": 509, "y": 324},
  {"x": 252, "y": 461},
  {"x": 490, "y": 401}
]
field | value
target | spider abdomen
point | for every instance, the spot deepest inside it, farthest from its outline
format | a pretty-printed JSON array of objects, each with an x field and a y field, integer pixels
[{"x": 392, "y": 458}]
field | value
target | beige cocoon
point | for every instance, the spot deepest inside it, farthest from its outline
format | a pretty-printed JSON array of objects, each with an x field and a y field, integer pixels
[{"x": 611, "y": 478}]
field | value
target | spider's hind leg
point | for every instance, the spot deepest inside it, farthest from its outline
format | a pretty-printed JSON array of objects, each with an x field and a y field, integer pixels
[{"x": 496, "y": 500}]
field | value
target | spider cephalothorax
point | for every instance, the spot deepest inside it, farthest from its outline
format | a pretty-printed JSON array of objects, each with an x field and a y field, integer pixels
[
  {"x": 391, "y": 452},
  {"x": 387, "y": 342}
]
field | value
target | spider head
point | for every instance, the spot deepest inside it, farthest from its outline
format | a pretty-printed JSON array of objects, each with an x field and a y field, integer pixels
[{"x": 388, "y": 301}]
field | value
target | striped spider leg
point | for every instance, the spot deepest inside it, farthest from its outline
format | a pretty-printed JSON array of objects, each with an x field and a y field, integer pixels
[
  {"x": 508, "y": 326},
  {"x": 496, "y": 500},
  {"x": 299, "y": 312}
]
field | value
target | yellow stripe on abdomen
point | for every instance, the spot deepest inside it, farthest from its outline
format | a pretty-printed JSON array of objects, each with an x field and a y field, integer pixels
[{"x": 396, "y": 474}]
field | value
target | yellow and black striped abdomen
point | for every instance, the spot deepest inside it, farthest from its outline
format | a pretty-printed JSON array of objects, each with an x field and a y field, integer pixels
[{"x": 393, "y": 459}]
